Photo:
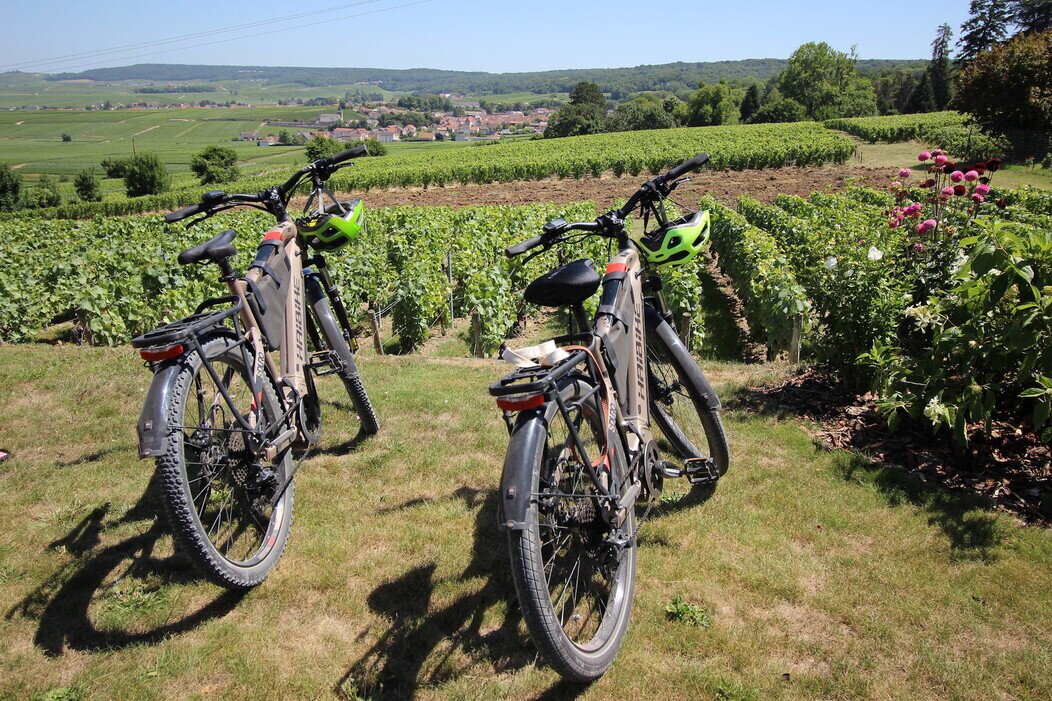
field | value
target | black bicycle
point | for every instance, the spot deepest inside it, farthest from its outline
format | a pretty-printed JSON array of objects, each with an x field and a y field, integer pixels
[
  {"x": 227, "y": 424},
  {"x": 598, "y": 420}
]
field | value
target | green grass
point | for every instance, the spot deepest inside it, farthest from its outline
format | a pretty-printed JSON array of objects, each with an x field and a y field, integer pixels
[{"x": 823, "y": 576}]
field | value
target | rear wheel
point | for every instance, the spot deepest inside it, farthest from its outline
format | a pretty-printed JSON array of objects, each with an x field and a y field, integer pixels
[
  {"x": 682, "y": 403},
  {"x": 217, "y": 493},
  {"x": 574, "y": 588}
]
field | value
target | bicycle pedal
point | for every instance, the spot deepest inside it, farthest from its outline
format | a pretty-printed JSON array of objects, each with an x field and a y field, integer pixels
[{"x": 701, "y": 471}]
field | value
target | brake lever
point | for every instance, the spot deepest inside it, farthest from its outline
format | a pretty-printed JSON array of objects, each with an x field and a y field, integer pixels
[{"x": 544, "y": 248}]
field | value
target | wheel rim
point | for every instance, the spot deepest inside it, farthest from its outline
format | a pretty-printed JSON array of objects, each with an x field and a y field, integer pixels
[
  {"x": 675, "y": 413},
  {"x": 229, "y": 494},
  {"x": 586, "y": 591}
]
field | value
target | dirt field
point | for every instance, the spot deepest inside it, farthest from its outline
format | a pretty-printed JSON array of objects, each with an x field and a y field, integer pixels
[{"x": 725, "y": 185}]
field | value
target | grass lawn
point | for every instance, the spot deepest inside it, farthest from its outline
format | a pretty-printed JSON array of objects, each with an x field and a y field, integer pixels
[
  {"x": 823, "y": 576},
  {"x": 904, "y": 155}
]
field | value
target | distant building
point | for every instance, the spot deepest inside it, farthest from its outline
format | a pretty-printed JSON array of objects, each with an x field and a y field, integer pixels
[
  {"x": 268, "y": 140},
  {"x": 329, "y": 119},
  {"x": 249, "y": 136}
]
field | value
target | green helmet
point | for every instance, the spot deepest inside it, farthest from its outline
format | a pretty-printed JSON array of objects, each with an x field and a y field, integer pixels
[
  {"x": 677, "y": 242},
  {"x": 334, "y": 228}
]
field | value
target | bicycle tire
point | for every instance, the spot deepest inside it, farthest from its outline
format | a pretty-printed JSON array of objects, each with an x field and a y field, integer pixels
[
  {"x": 185, "y": 516},
  {"x": 352, "y": 379},
  {"x": 689, "y": 412},
  {"x": 529, "y": 450}
]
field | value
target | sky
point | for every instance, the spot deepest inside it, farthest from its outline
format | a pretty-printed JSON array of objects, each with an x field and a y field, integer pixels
[{"x": 494, "y": 36}]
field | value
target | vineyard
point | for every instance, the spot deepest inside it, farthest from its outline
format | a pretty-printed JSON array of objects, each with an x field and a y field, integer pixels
[
  {"x": 631, "y": 153},
  {"x": 896, "y": 128}
]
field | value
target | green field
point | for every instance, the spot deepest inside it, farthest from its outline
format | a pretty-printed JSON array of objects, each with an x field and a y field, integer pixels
[{"x": 823, "y": 575}]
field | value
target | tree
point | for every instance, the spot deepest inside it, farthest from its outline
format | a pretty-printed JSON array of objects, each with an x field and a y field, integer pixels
[
  {"x": 87, "y": 186},
  {"x": 144, "y": 174},
  {"x": 640, "y": 114},
  {"x": 826, "y": 83},
  {"x": 10, "y": 188},
  {"x": 1009, "y": 87},
  {"x": 215, "y": 164},
  {"x": 712, "y": 105},
  {"x": 586, "y": 93},
  {"x": 780, "y": 109},
  {"x": 44, "y": 194},
  {"x": 284, "y": 137},
  {"x": 66, "y": 138},
  {"x": 987, "y": 25},
  {"x": 322, "y": 146},
  {"x": 939, "y": 68},
  {"x": 922, "y": 99},
  {"x": 1033, "y": 15},
  {"x": 576, "y": 120},
  {"x": 750, "y": 103},
  {"x": 114, "y": 167}
]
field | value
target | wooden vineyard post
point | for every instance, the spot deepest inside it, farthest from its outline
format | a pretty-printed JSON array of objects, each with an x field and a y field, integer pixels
[
  {"x": 684, "y": 329},
  {"x": 476, "y": 334},
  {"x": 448, "y": 266},
  {"x": 794, "y": 344},
  {"x": 374, "y": 322}
]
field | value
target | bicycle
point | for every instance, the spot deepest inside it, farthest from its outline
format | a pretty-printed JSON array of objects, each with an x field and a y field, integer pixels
[
  {"x": 226, "y": 424},
  {"x": 582, "y": 457}
]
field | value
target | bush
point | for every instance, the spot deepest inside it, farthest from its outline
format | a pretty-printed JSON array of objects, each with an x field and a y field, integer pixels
[
  {"x": 44, "y": 194},
  {"x": 144, "y": 174},
  {"x": 215, "y": 164},
  {"x": 114, "y": 167},
  {"x": 10, "y": 188},
  {"x": 967, "y": 143},
  {"x": 87, "y": 186},
  {"x": 783, "y": 109},
  {"x": 66, "y": 138}
]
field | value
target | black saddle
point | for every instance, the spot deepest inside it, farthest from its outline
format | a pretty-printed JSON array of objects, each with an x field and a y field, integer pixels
[
  {"x": 570, "y": 284},
  {"x": 217, "y": 249}
]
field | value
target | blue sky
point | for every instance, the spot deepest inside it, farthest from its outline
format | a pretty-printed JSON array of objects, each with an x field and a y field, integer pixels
[{"x": 496, "y": 36}]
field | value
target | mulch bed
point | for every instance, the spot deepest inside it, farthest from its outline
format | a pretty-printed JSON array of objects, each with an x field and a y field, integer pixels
[{"x": 1011, "y": 468}]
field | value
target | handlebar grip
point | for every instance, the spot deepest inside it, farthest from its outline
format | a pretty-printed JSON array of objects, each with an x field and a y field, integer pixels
[
  {"x": 341, "y": 157},
  {"x": 687, "y": 166},
  {"x": 183, "y": 213},
  {"x": 517, "y": 249}
]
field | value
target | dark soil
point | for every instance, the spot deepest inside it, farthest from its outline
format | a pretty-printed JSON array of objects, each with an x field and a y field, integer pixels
[{"x": 1010, "y": 468}]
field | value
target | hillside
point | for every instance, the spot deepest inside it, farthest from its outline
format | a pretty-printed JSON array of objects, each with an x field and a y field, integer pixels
[{"x": 670, "y": 76}]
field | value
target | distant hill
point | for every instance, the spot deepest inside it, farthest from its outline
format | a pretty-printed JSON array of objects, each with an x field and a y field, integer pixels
[{"x": 672, "y": 77}]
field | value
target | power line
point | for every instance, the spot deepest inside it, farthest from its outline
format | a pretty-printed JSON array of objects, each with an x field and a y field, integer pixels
[{"x": 76, "y": 58}]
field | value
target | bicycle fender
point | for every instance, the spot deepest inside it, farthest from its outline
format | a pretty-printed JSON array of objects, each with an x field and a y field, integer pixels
[
  {"x": 653, "y": 321},
  {"x": 152, "y": 428},
  {"x": 516, "y": 482}
]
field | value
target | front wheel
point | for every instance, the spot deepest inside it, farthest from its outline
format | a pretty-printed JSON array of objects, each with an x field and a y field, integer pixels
[
  {"x": 574, "y": 588},
  {"x": 335, "y": 342},
  {"x": 683, "y": 404},
  {"x": 217, "y": 493}
]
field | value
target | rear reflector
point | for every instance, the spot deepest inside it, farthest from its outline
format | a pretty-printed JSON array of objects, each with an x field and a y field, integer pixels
[
  {"x": 520, "y": 402},
  {"x": 152, "y": 355},
  {"x": 616, "y": 268}
]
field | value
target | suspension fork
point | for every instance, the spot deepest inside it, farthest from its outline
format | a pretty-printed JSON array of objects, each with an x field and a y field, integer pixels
[{"x": 335, "y": 301}]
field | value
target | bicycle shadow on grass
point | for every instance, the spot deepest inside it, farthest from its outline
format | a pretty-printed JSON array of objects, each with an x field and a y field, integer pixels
[
  {"x": 428, "y": 644},
  {"x": 62, "y": 604}
]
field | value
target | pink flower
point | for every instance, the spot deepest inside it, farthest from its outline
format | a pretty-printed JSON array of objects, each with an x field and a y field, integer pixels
[
  {"x": 923, "y": 156},
  {"x": 917, "y": 248},
  {"x": 978, "y": 199},
  {"x": 941, "y": 160},
  {"x": 896, "y": 185},
  {"x": 957, "y": 176},
  {"x": 959, "y": 190},
  {"x": 915, "y": 207},
  {"x": 905, "y": 173},
  {"x": 982, "y": 189},
  {"x": 894, "y": 223},
  {"x": 947, "y": 191},
  {"x": 971, "y": 176},
  {"x": 930, "y": 224}
]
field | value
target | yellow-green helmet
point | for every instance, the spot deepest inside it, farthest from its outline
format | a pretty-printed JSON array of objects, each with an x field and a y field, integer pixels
[
  {"x": 333, "y": 228},
  {"x": 677, "y": 242}
]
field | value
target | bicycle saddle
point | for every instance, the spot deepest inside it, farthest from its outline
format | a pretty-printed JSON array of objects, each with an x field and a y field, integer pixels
[
  {"x": 570, "y": 284},
  {"x": 215, "y": 250}
]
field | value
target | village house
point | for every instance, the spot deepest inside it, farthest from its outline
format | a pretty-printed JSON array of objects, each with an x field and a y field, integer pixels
[{"x": 329, "y": 119}]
